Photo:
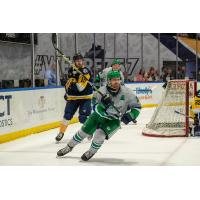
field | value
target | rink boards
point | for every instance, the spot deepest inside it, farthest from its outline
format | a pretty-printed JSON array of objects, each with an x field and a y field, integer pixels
[{"x": 28, "y": 111}]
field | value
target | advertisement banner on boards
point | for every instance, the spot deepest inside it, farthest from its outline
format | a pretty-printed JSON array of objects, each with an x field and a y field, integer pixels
[
  {"x": 148, "y": 93},
  {"x": 20, "y": 110}
]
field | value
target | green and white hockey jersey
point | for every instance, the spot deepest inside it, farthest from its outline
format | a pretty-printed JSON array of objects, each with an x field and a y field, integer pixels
[
  {"x": 108, "y": 118},
  {"x": 125, "y": 101},
  {"x": 101, "y": 78}
]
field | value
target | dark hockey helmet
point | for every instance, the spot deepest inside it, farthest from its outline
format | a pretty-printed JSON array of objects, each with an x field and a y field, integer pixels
[{"x": 77, "y": 56}]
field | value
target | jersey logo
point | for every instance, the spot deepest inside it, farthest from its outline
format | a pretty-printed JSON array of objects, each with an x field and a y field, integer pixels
[
  {"x": 122, "y": 97},
  {"x": 85, "y": 71}
]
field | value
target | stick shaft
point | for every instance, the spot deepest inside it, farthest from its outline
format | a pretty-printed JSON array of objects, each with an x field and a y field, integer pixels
[
  {"x": 177, "y": 112},
  {"x": 67, "y": 60}
]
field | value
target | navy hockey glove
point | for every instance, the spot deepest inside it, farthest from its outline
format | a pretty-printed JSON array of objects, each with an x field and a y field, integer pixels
[
  {"x": 126, "y": 118},
  {"x": 65, "y": 97}
]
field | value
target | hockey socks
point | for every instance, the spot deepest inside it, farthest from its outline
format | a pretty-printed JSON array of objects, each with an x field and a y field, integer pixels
[{"x": 77, "y": 138}]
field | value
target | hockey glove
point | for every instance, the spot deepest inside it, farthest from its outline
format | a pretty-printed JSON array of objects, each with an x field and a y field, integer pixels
[
  {"x": 65, "y": 97},
  {"x": 106, "y": 100},
  {"x": 126, "y": 118}
]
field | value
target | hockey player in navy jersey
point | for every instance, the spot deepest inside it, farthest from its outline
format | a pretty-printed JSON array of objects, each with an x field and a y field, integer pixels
[{"x": 78, "y": 94}]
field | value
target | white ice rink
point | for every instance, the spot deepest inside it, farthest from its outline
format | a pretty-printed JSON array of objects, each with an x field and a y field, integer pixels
[{"x": 127, "y": 147}]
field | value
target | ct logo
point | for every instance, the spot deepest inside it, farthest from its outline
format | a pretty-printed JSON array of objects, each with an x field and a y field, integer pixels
[{"x": 6, "y": 104}]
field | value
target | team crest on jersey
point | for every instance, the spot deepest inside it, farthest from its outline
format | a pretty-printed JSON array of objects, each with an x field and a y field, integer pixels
[
  {"x": 122, "y": 97},
  {"x": 85, "y": 71}
]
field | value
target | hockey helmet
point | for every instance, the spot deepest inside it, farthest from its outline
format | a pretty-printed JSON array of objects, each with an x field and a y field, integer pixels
[
  {"x": 113, "y": 74},
  {"x": 116, "y": 61},
  {"x": 77, "y": 56}
]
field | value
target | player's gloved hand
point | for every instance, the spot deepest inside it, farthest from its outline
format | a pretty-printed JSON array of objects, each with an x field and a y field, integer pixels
[
  {"x": 65, "y": 97},
  {"x": 106, "y": 100},
  {"x": 126, "y": 118}
]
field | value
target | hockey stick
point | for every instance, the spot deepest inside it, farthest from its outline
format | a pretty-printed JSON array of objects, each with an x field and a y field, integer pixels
[
  {"x": 75, "y": 68},
  {"x": 54, "y": 45},
  {"x": 177, "y": 112}
]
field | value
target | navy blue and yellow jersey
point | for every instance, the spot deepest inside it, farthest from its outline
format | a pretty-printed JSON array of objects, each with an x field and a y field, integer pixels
[
  {"x": 77, "y": 87},
  {"x": 195, "y": 107}
]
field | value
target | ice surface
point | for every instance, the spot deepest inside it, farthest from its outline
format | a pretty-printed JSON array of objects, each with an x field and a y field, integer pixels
[{"x": 127, "y": 147}]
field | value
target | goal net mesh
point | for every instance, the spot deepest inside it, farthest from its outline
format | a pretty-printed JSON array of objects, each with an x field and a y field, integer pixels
[{"x": 170, "y": 117}]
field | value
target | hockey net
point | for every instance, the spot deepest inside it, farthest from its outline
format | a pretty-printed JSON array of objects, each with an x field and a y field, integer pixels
[{"x": 171, "y": 117}]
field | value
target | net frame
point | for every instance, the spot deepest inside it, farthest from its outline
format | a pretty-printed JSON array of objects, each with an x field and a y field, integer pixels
[{"x": 189, "y": 94}]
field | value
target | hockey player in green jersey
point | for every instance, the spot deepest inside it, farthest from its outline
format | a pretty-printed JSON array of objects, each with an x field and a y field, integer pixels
[
  {"x": 101, "y": 77},
  {"x": 117, "y": 104}
]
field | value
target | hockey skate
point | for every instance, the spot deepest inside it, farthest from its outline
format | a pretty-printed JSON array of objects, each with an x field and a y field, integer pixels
[
  {"x": 64, "y": 151},
  {"x": 87, "y": 155},
  {"x": 59, "y": 137},
  {"x": 134, "y": 122}
]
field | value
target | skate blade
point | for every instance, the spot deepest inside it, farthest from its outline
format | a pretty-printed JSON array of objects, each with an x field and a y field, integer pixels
[{"x": 59, "y": 157}]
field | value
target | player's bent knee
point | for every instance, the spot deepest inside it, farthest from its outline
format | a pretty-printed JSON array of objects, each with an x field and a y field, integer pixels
[
  {"x": 99, "y": 137},
  {"x": 83, "y": 134},
  {"x": 68, "y": 116}
]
